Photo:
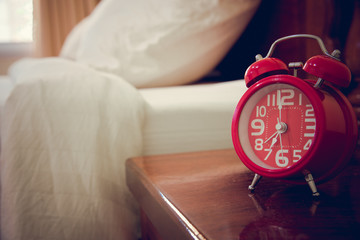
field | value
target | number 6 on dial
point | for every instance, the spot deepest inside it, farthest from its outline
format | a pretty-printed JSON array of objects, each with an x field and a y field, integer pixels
[{"x": 292, "y": 128}]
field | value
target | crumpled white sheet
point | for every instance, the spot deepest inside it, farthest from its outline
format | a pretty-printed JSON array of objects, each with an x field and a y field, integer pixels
[{"x": 66, "y": 133}]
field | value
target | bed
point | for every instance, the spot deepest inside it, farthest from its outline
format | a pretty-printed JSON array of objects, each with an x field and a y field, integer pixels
[
  {"x": 66, "y": 156},
  {"x": 69, "y": 123}
]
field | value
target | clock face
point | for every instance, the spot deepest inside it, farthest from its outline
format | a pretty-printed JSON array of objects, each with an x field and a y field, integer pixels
[{"x": 277, "y": 126}]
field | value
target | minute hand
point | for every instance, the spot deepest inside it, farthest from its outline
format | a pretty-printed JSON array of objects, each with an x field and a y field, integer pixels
[{"x": 280, "y": 107}]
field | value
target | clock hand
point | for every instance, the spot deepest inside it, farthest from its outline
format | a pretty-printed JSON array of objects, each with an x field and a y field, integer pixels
[
  {"x": 282, "y": 152},
  {"x": 275, "y": 133},
  {"x": 279, "y": 129},
  {"x": 274, "y": 141},
  {"x": 280, "y": 107}
]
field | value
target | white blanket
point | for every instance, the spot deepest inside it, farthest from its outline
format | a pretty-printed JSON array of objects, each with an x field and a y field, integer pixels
[{"x": 66, "y": 132}]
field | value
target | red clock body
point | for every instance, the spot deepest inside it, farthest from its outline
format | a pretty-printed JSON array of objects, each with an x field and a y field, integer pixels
[
  {"x": 283, "y": 126},
  {"x": 292, "y": 128}
]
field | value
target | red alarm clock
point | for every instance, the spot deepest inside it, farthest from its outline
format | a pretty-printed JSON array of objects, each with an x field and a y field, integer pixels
[{"x": 292, "y": 128}]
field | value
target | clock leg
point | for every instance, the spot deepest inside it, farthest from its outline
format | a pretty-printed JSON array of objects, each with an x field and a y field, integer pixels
[
  {"x": 254, "y": 182},
  {"x": 310, "y": 180}
]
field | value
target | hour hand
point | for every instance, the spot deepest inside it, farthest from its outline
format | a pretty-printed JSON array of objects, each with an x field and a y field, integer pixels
[
  {"x": 274, "y": 140},
  {"x": 272, "y": 136}
]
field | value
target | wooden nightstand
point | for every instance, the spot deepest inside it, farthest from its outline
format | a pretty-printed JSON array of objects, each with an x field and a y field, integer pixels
[{"x": 204, "y": 195}]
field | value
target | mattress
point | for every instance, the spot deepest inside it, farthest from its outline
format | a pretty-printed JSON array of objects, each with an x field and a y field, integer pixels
[
  {"x": 66, "y": 137},
  {"x": 190, "y": 118},
  {"x": 182, "y": 118}
]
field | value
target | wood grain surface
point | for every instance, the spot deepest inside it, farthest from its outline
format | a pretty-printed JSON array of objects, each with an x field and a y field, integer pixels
[{"x": 204, "y": 196}]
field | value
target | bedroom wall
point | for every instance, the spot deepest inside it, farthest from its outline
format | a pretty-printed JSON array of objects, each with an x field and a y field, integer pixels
[{"x": 53, "y": 21}]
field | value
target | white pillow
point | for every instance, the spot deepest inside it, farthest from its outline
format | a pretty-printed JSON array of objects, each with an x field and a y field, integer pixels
[{"x": 159, "y": 42}]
